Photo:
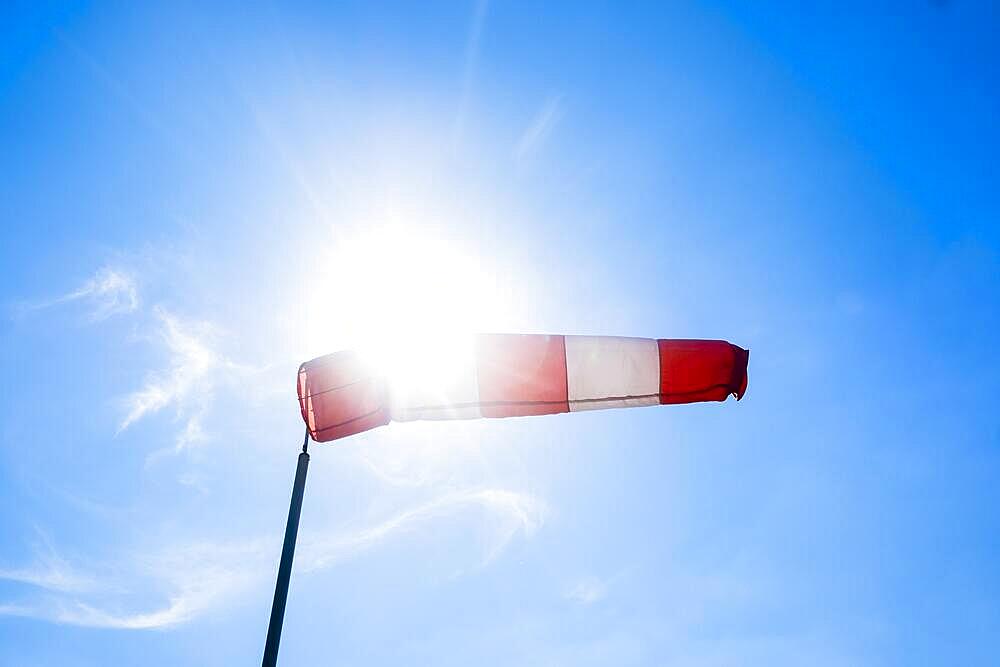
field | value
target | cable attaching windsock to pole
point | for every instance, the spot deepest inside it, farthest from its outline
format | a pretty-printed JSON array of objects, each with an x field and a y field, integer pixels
[{"x": 516, "y": 375}]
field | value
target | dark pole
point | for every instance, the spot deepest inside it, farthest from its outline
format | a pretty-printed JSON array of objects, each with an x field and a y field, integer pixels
[{"x": 287, "y": 552}]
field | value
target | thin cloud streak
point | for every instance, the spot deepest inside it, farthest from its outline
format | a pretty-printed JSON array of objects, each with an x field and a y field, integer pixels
[
  {"x": 196, "y": 368},
  {"x": 518, "y": 512},
  {"x": 198, "y": 578},
  {"x": 469, "y": 69},
  {"x": 49, "y": 571},
  {"x": 109, "y": 292},
  {"x": 84, "y": 615},
  {"x": 192, "y": 360},
  {"x": 589, "y": 590},
  {"x": 52, "y": 574},
  {"x": 539, "y": 129},
  {"x": 204, "y": 577}
]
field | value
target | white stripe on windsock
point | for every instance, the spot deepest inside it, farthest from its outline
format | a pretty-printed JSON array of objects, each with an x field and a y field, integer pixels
[
  {"x": 448, "y": 392},
  {"x": 612, "y": 372}
]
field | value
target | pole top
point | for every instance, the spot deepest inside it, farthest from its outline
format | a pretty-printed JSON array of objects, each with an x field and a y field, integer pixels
[{"x": 305, "y": 443}]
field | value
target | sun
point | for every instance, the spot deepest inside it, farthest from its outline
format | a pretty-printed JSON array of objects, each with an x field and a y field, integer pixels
[{"x": 410, "y": 304}]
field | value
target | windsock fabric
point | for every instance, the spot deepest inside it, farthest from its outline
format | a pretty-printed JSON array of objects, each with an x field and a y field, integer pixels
[{"x": 517, "y": 375}]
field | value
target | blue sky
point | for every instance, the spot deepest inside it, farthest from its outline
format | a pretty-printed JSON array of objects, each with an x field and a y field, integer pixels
[{"x": 816, "y": 184}]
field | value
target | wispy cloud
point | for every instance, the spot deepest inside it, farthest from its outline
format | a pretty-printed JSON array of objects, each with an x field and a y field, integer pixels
[
  {"x": 194, "y": 370},
  {"x": 50, "y": 572},
  {"x": 589, "y": 590},
  {"x": 110, "y": 291},
  {"x": 192, "y": 359},
  {"x": 202, "y": 577},
  {"x": 539, "y": 128},
  {"x": 515, "y": 512},
  {"x": 196, "y": 578},
  {"x": 469, "y": 68},
  {"x": 84, "y": 615}
]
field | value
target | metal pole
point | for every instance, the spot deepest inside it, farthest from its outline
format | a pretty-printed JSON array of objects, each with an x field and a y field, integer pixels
[{"x": 287, "y": 552}]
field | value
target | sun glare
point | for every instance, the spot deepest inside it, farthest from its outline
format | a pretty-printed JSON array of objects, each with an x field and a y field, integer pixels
[{"x": 409, "y": 304}]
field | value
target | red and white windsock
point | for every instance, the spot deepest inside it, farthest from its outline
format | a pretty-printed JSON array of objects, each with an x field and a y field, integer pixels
[{"x": 515, "y": 375}]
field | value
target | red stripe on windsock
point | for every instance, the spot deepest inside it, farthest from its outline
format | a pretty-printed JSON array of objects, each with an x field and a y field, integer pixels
[
  {"x": 521, "y": 374},
  {"x": 701, "y": 370},
  {"x": 339, "y": 396}
]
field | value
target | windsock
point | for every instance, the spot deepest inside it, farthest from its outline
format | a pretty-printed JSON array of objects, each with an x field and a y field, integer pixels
[{"x": 518, "y": 375}]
